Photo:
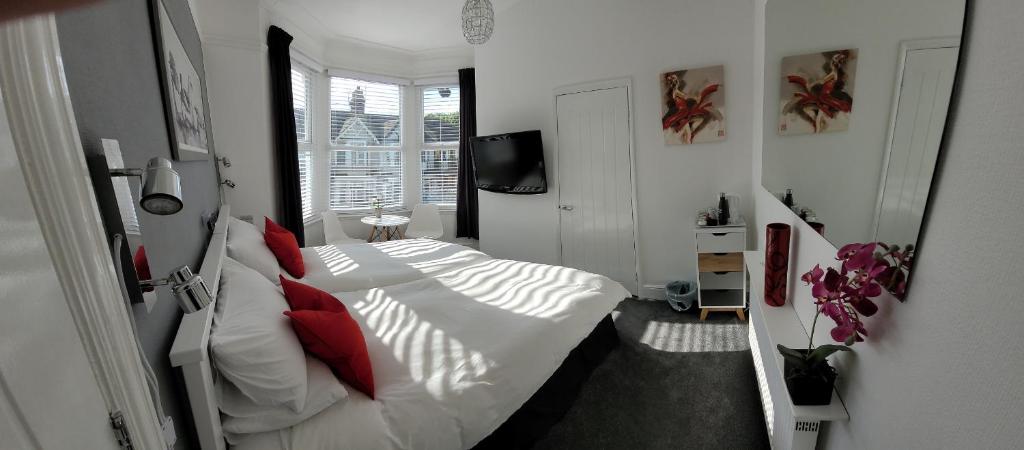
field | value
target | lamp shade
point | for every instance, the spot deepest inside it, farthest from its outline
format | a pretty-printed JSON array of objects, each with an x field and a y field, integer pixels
[
  {"x": 477, "y": 21},
  {"x": 161, "y": 188}
]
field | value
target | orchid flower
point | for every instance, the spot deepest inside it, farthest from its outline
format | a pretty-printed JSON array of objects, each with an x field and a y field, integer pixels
[{"x": 844, "y": 295}]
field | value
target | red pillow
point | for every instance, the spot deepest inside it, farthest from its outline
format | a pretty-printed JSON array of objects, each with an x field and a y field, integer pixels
[
  {"x": 304, "y": 297},
  {"x": 142, "y": 267},
  {"x": 335, "y": 338},
  {"x": 285, "y": 248}
]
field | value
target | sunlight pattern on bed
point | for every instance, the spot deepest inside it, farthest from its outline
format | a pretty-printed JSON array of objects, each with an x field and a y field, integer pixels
[
  {"x": 352, "y": 267},
  {"x": 337, "y": 261},
  {"x": 411, "y": 248},
  {"x": 412, "y": 342}
]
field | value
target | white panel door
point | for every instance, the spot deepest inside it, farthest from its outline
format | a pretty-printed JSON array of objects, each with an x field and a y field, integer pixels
[
  {"x": 49, "y": 397},
  {"x": 595, "y": 186},
  {"x": 921, "y": 109}
]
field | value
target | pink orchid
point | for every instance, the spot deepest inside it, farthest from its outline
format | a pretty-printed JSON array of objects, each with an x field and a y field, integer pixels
[{"x": 844, "y": 295}]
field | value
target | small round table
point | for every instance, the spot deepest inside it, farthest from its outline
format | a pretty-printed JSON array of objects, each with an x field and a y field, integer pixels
[{"x": 385, "y": 227}]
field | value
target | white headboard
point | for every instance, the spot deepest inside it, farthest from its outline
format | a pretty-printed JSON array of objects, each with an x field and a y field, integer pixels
[{"x": 190, "y": 350}]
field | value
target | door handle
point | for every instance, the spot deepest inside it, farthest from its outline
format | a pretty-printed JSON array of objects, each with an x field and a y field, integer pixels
[{"x": 565, "y": 207}]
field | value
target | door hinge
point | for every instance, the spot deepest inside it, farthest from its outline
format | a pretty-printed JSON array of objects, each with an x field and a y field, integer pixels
[{"x": 121, "y": 433}]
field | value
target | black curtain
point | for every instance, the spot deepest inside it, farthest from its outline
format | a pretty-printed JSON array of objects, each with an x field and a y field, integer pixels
[
  {"x": 467, "y": 221},
  {"x": 287, "y": 151}
]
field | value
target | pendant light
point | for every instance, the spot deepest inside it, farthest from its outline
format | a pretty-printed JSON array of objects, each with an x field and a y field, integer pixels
[{"x": 477, "y": 21}]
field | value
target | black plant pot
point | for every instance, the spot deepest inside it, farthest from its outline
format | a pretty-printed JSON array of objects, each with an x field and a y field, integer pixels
[{"x": 813, "y": 387}]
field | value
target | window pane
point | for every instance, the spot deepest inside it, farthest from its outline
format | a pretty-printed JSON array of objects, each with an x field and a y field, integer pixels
[
  {"x": 439, "y": 175},
  {"x": 441, "y": 114},
  {"x": 439, "y": 157},
  {"x": 359, "y": 176},
  {"x": 301, "y": 96},
  {"x": 301, "y": 93},
  {"x": 365, "y": 114},
  {"x": 306, "y": 182}
]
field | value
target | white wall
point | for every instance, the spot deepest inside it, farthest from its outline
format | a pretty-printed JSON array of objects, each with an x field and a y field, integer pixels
[
  {"x": 540, "y": 45},
  {"x": 239, "y": 96},
  {"x": 844, "y": 197},
  {"x": 942, "y": 370}
]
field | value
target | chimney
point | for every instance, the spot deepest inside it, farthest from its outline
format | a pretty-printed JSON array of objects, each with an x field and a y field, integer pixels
[{"x": 357, "y": 102}]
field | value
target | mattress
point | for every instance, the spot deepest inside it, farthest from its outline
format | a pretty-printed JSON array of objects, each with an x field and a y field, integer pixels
[
  {"x": 455, "y": 355},
  {"x": 353, "y": 267}
]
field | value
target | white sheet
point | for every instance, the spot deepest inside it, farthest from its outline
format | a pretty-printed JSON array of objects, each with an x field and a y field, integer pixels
[
  {"x": 352, "y": 267},
  {"x": 454, "y": 356}
]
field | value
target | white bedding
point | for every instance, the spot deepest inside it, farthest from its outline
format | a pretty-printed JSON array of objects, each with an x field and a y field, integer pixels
[
  {"x": 352, "y": 267},
  {"x": 455, "y": 355}
]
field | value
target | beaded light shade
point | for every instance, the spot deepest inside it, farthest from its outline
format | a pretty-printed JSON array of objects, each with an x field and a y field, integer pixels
[{"x": 477, "y": 21}]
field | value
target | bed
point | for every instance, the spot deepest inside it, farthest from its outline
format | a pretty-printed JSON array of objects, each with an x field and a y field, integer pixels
[{"x": 475, "y": 352}]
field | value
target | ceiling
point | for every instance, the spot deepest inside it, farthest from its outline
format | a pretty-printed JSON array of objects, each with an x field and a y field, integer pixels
[{"x": 411, "y": 25}]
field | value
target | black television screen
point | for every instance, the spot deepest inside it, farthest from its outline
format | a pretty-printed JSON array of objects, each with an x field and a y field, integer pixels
[{"x": 511, "y": 163}]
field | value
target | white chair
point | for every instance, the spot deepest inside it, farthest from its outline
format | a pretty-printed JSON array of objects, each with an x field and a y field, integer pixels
[
  {"x": 425, "y": 222},
  {"x": 333, "y": 233}
]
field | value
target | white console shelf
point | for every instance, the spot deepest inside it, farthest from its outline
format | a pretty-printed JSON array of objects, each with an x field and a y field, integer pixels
[{"x": 789, "y": 426}]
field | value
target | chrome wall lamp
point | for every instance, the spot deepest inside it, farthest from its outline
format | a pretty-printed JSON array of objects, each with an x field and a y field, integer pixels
[
  {"x": 161, "y": 186},
  {"x": 161, "y": 195}
]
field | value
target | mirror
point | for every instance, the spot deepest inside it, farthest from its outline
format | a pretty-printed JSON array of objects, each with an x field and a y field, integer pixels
[
  {"x": 856, "y": 99},
  {"x": 126, "y": 194}
]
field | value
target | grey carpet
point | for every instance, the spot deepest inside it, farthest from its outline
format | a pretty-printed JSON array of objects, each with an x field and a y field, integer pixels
[{"x": 673, "y": 383}]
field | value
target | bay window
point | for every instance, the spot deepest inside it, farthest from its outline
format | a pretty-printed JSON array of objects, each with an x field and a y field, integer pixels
[{"x": 362, "y": 140}]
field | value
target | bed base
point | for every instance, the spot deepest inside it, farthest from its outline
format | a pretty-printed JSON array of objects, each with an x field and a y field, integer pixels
[{"x": 552, "y": 401}]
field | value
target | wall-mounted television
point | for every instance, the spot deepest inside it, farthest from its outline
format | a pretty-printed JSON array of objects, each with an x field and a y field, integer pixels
[{"x": 510, "y": 163}]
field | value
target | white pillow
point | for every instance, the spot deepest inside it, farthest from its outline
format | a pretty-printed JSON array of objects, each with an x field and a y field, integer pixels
[
  {"x": 252, "y": 341},
  {"x": 246, "y": 245},
  {"x": 241, "y": 415}
]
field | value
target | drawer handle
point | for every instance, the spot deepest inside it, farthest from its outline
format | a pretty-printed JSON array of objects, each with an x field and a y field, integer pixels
[
  {"x": 719, "y": 234},
  {"x": 721, "y": 273},
  {"x": 721, "y": 254}
]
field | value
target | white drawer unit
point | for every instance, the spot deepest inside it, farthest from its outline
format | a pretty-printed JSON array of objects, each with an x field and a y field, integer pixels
[
  {"x": 721, "y": 280},
  {"x": 721, "y": 274},
  {"x": 720, "y": 241}
]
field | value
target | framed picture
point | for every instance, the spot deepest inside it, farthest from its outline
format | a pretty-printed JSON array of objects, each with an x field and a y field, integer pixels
[
  {"x": 182, "y": 89},
  {"x": 817, "y": 92},
  {"x": 693, "y": 105}
]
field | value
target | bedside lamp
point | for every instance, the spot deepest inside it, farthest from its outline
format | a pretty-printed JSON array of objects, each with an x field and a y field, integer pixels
[
  {"x": 161, "y": 186},
  {"x": 188, "y": 288}
]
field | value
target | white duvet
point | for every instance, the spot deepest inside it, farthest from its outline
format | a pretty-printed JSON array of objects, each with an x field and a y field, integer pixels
[
  {"x": 351, "y": 267},
  {"x": 455, "y": 355}
]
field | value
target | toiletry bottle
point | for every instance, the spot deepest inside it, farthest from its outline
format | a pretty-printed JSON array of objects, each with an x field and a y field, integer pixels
[
  {"x": 723, "y": 207},
  {"x": 788, "y": 201}
]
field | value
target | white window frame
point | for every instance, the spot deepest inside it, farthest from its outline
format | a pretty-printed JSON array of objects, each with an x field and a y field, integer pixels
[
  {"x": 328, "y": 148},
  {"x": 423, "y": 145}
]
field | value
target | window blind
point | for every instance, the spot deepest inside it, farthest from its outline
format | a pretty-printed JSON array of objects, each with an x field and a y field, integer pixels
[
  {"x": 439, "y": 156},
  {"x": 302, "y": 95},
  {"x": 365, "y": 142}
]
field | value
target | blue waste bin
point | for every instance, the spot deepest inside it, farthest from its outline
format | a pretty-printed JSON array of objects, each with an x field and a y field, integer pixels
[{"x": 682, "y": 295}]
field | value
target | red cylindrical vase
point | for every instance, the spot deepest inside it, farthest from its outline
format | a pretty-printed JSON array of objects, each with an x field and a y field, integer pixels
[
  {"x": 818, "y": 227},
  {"x": 776, "y": 263}
]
